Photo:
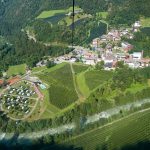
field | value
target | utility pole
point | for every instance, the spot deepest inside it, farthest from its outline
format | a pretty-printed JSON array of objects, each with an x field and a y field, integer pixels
[{"x": 73, "y": 14}]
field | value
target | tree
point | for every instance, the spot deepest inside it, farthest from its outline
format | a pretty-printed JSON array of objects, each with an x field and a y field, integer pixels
[
  {"x": 50, "y": 64},
  {"x": 123, "y": 78},
  {"x": 100, "y": 65},
  {"x": 1, "y": 74},
  {"x": 103, "y": 45},
  {"x": 120, "y": 64}
]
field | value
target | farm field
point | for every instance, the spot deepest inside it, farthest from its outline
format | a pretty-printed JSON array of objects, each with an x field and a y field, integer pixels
[
  {"x": 95, "y": 78},
  {"x": 61, "y": 86},
  {"x": 51, "y": 13},
  {"x": 15, "y": 70},
  {"x": 44, "y": 109},
  {"x": 145, "y": 22},
  {"x": 129, "y": 130},
  {"x": 37, "y": 69}
]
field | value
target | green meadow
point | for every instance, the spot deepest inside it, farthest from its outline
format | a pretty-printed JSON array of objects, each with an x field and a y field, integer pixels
[
  {"x": 145, "y": 22},
  {"x": 15, "y": 70},
  {"x": 102, "y": 14},
  {"x": 51, "y": 13}
]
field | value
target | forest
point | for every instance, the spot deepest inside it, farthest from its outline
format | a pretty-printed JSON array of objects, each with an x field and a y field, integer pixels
[{"x": 26, "y": 51}]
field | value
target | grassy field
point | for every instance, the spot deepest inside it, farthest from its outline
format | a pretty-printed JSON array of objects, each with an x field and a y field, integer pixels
[
  {"x": 51, "y": 13},
  {"x": 95, "y": 78},
  {"x": 145, "y": 22},
  {"x": 82, "y": 84},
  {"x": 38, "y": 69},
  {"x": 44, "y": 108},
  {"x": 102, "y": 14},
  {"x": 48, "y": 110},
  {"x": 61, "y": 91},
  {"x": 54, "y": 68},
  {"x": 78, "y": 17},
  {"x": 78, "y": 68},
  {"x": 129, "y": 130},
  {"x": 15, "y": 70},
  {"x": 136, "y": 88},
  {"x": 88, "y": 80}
]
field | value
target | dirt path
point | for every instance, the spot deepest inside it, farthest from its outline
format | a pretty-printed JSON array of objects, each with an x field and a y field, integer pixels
[{"x": 80, "y": 95}]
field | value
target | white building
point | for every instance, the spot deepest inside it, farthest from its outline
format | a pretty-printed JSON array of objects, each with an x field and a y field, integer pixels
[
  {"x": 90, "y": 62},
  {"x": 137, "y": 55},
  {"x": 137, "y": 24}
]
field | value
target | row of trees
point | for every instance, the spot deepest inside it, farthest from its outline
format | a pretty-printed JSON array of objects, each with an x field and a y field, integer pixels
[{"x": 46, "y": 32}]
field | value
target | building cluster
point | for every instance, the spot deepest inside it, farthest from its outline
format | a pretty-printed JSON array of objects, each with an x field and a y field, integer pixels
[
  {"x": 18, "y": 103},
  {"x": 112, "y": 48},
  {"x": 80, "y": 54},
  {"x": 18, "y": 98},
  {"x": 22, "y": 91},
  {"x": 109, "y": 48}
]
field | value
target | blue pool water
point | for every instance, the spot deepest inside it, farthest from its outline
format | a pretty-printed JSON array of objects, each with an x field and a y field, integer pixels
[{"x": 42, "y": 86}]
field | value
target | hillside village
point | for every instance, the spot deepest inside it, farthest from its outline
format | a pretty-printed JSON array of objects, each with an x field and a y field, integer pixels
[
  {"x": 109, "y": 48},
  {"x": 24, "y": 92}
]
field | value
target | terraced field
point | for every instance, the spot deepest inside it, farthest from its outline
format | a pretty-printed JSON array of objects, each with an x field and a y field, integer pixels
[
  {"x": 69, "y": 83},
  {"x": 78, "y": 68},
  {"x": 126, "y": 131},
  {"x": 61, "y": 91}
]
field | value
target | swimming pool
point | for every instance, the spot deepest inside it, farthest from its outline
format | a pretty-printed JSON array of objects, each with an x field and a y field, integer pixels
[{"x": 42, "y": 86}]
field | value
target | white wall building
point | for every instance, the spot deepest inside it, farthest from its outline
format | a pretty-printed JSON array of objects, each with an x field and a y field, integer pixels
[{"x": 137, "y": 55}]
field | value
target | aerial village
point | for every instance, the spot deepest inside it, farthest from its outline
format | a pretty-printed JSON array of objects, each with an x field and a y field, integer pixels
[
  {"x": 20, "y": 95},
  {"x": 108, "y": 48}
]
